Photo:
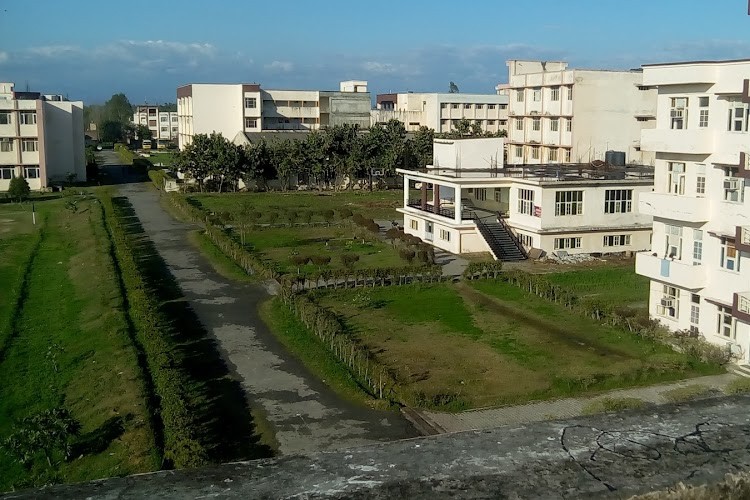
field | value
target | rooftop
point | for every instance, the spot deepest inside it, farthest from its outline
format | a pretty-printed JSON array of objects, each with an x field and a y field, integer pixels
[{"x": 558, "y": 172}]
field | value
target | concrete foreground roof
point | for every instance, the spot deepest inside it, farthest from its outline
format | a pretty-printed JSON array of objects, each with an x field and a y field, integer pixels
[{"x": 612, "y": 455}]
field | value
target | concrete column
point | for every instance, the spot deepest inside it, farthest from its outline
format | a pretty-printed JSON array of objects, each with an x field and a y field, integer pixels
[
  {"x": 457, "y": 203},
  {"x": 406, "y": 191},
  {"x": 436, "y": 197},
  {"x": 424, "y": 195}
]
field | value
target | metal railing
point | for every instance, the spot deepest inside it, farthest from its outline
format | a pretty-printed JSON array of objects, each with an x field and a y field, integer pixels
[
  {"x": 512, "y": 234},
  {"x": 443, "y": 212}
]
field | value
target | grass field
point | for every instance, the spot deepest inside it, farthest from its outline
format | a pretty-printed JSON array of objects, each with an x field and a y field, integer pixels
[
  {"x": 612, "y": 283},
  {"x": 455, "y": 347},
  {"x": 70, "y": 347},
  {"x": 164, "y": 157}
]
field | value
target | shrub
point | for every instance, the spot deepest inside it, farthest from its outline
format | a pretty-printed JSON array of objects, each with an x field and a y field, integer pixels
[
  {"x": 687, "y": 393},
  {"x": 345, "y": 213},
  {"x": 358, "y": 219},
  {"x": 407, "y": 254},
  {"x": 393, "y": 234},
  {"x": 321, "y": 260},
  {"x": 606, "y": 405},
  {"x": 372, "y": 226},
  {"x": 738, "y": 386},
  {"x": 19, "y": 189},
  {"x": 272, "y": 217},
  {"x": 327, "y": 214},
  {"x": 306, "y": 216},
  {"x": 300, "y": 260},
  {"x": 349, "y": 259}
]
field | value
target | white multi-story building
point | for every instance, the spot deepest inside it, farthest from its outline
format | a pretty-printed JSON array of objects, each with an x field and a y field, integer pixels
[
  {"x": 162, "y": 124},
  {"x": 699, "y": 263},
  {"x": 230, "y": 109},
  {"x": 441, "y": 112},
  {"x": 471, "y": 202},
  {"x": 561, "y": 115},
  {"x": 41, "y": 138}
]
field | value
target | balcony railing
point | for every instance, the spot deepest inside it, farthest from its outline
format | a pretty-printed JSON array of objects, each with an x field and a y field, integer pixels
[{"x": 443, "y": 212}]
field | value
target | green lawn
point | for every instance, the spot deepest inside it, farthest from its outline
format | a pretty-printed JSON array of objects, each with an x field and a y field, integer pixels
[
  {"x": 70, "y": 348},
  {"x": 612, "y": 283},
  {"x": 166, "y": 158},
  {"x": 463, "y": 346}
]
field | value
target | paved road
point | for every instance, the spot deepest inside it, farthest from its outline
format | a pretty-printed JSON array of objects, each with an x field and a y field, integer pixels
[{"x": 306, "y": 415}]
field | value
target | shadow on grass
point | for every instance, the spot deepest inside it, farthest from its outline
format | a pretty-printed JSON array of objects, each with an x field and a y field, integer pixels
[
  {"x": 99, "y": 439},
  {"x": 227, "y": 428}
]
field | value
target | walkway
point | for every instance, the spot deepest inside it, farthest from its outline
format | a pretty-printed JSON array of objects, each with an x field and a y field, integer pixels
[
  {"x": 305, "y": 414},
  {"x": 560, "y": 408}
]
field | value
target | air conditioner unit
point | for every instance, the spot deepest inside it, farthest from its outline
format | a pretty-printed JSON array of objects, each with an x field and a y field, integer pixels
[
  {"x": 732, "y": 184},
  {"x": 667, "y": 301}
]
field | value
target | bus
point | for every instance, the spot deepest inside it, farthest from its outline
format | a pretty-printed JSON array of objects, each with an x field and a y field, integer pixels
[{"x": 146, "y": 144}]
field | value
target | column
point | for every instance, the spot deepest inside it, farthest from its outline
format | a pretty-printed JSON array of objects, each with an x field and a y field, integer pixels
[
  {"x": 458, "y": 204},
  {"x": 406, "y": 191},
  {"x": 424, "y": 195},
  {"x": 436, "y": 197}
]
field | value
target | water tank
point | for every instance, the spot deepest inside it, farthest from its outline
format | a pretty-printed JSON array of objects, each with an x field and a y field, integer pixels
[{"x": 615, "y": 158}]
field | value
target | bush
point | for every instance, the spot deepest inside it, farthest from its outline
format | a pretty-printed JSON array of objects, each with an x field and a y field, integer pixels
[
  {"x": 321, "y": 260},
  {"x": 345, "y": 213},
  {"x": 300, "y": 260},
  {"x": 687, "y": 393},
  {"x": 372, "y": 226},
  {"x": 305, "y": 216},
  {"x": 349, "y": 259},
  {"x": 358, "y": 219},
  {"x": 606, "y": 405},
  {"x": 19, "y": 189},
  {"x": 407, "y": 254},
  {"x": 739, "y": 386}
]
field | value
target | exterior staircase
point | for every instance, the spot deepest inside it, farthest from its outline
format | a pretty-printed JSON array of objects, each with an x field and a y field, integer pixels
[
  {"x": 502, "y": 242},
  {"x": 741, "y": 370}
]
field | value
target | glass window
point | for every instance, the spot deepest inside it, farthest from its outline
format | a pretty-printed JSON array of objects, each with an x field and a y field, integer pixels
[
  {"x": 29, "y": 145},
  {"x": 7, "y": 173},
  {"x": 536, "y": 124},
  {"x": 730, "y": 258},
  {"x": 555, "y": 93},
  {"x": 251, "y": 123},
  {"x": 566, "y": 243},
  {"x": 519, "y": 151},
  {"x": 618, "y": 201},
  {"x": 414, "y": 224},
  {"x": 31, "y": 172},
  {"x": 725, "y": 324},
  {"x": 519, "y": 95},
  {"x": 6, "y": 145},
  {"x": 676, "y": 178},
  {"x": 697, "y": 246},
  {"x": 669, "y": 302},
  {"x": 673, "y": 238},
  {"x": 537, "y": 94},
  {"x": 616, "y": 240},
  {"x": 569, "y": 203},
  {"x": 526, "y": 201},
  {"x": 554, "y": 124},
  {"x": 678, "y": 113},
  {"x": 519, "y": 123},
  {"x": 534, "y": 152},
  {"x": 4, "y": 118}
]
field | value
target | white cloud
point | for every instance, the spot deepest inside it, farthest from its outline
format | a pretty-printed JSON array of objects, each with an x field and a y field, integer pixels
[
  {"x": 378, "y": 67},
  {"x": 53, "y": 51},
  {"x": 280, "y": 66},
  {"x": 3, "y": 56}
]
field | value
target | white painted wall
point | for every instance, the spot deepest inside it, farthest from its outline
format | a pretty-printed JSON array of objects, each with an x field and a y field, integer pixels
[
  {"x": 217, "y": 108},
  {"x": 484, "y": 153}
]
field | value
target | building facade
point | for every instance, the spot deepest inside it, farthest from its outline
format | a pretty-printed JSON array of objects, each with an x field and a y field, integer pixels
[
  {"x": 232, "y": 108},
  {"x": 554, "y": 208},
  {"x": 699, "y": 263},
  {"x": 162, "y": 124},
  {"x": 561, "y": 115},
  {"x": 41, "y": 138},
  {"x": 441, "y": 112}
]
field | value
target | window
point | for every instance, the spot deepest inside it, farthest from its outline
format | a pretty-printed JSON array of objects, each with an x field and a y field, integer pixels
[
  {"x": 174, "y": 119},
  {"x": 738, "y": 116},
  {"x": 734, "y": 187},
  {"x": 519, "y": 151},
  {"x": 676, "y": 178},
  {"x": 490, "y": 122},
  {"x": 519, "y": 123},
  {"x": 567, "y": 156},
  {"x": 519, "y": 95},
  {"x": 503, "y": 106},
  {"x": 555, "y": 93},
  {"x": 526, "y": 240},
  {"x": 697, "y": 246},
  {"x": 6, "y": 145},
  {"x": 678, "y": 113},
  {"x": 7, "y": 173},
  {"x": 570, "y": 92},
  {"x": 730, "y": 259},
  {"x": 568, "y": 125},
  {"x": 673, "y": 242},
  {"x": 29, "y": 145},
  {"x": 479, "y": 106},
  {"x": 554, "y": 124},
  {"x": 480, "y": 194},
  {"x": 414, "y": 224},
  {"x": 445, "y": 235},
  {"x": 552, "y": 155},
  {"x": 467, "y": 106},
  {"x": 703, "y": 118},
  {"x": 700, "y": 185},
  {"x": 565, "y": 243},
  {"x": 534, "y": 152},
  {"x": 152, "y": 123},
  {"x": 443, "y": 122},
  {"x": 454, "y": 106},
  {"x": 695, "y": 312},
  {"x": 490, "y": 106},
  {"x": 569, "y": 203},
  {"x": 536, "y": 124},
  {"x": 616, "y": 240},
  {"x": 526, "y": 201},
  {"x": 478, "y": 122},
  {"x": 537, "y": 94},
  {"x": 726, "y": 325},
  {"x": 618, "y": 201},
  {"x": 669, "y": 302},
  {"x": 251, "y": 123},
  {"x": 503, "y": 122},
  {"x": 5, "y": 118},
  {"x": 31, "y": 172},
  {"x": 163, "y": 118},
  {"x": 28, "y": 118},
  {"x": 174, "y": 130},
  {"x": 165, "y": 130}
]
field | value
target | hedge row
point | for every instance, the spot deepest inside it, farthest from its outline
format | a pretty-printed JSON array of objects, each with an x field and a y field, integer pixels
[
  {"x": 365, "y": 369},
  {"x": 383, "y": 276},
  {"x": 182, "y": 447},
  {"x": 157, "y": 177},
  {"x": 483, "y": 270}
]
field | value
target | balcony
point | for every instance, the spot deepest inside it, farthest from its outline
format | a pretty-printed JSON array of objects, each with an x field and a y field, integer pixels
[
  {"x": 741, "y": 306},
  {"x": 448, "y": 212},
  {"x": 742, "y": 238},
  {"x": 674, "y": 272},
  {"x": 672, "y": 206},
  {"x": 698, "y": 141}
]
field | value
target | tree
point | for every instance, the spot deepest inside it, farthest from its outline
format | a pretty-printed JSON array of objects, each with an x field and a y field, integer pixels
[
  {"x": 421, "y": 146},
  {"x": 143, "y": 132},
  {"x": 316, "y": 159},
  {"x": 111, "y": 131},
  {"x": 118, "y": 109},
  {"x": 19, "y": 189},
  {"x": 256, "y": 164},
  {"x": 341, "y": 153},
  {"x": 47, "y": 433},
  {"x": 463, "y": 127},
  {"x": 476, "y": 130},
  {"x": 211, "y": 156}
]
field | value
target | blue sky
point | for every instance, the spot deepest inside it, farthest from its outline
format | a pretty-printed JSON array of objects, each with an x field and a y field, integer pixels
[{"x": 90, "y": 50}]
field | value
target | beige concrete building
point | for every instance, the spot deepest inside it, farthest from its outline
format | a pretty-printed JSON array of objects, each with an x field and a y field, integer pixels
[
  {"x": 441, "y": 112},
  {"x": 699, "y": 263},
  {"x": 162, "y": 124},
  {"x": 561, "y": 115},
  {"x": 41, "y": 138},
  {"x": 232, "y": 108}
]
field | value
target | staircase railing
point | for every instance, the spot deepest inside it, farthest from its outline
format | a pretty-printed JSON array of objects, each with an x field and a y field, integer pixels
[
  {"x": 512, "y": 234},
  {"x": 487, "y": 235}
]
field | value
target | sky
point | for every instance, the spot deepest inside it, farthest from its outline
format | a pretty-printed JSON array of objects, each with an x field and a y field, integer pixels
[{"x": 90, "y": 50}]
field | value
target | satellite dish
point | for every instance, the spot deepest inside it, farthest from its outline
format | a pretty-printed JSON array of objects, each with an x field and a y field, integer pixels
[{"x": 453, "y": 88}]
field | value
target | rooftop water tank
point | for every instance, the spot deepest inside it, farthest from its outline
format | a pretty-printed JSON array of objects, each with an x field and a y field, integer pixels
[{"x": 615, "y": 158}]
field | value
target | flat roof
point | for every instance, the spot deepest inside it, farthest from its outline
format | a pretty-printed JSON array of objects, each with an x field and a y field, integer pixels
[{"x": 679, "y": 63}]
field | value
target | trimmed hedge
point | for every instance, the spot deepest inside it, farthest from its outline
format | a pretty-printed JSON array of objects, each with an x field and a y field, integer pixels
[
  {"x": 157, "y": 177},
  {"x": 182, "y": 447}
]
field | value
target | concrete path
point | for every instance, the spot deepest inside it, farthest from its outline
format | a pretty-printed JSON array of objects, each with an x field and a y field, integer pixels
[
  {"x": 559, "y": 408},
  {"x": 306, "y": 415}
]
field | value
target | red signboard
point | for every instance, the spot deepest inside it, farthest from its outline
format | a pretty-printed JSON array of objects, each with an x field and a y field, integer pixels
[{"x": 537, "y": 211}]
